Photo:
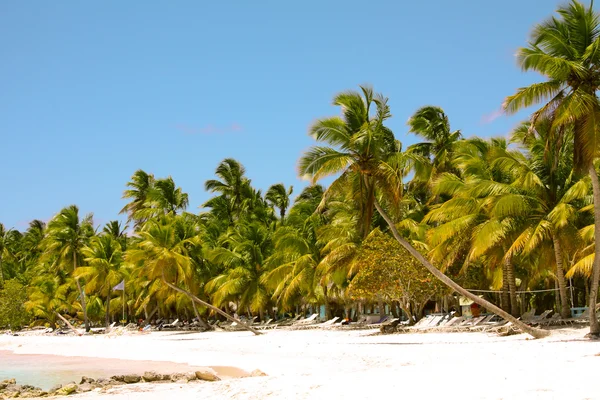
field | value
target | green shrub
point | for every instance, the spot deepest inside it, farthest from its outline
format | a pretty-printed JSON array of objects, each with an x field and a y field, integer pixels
[{"x": 12, "y": 311}]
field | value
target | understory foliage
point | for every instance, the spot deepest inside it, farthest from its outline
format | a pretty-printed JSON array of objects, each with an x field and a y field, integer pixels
[
  {"x": 389, "y": 273},
  {"x": 12, "y": 312}
]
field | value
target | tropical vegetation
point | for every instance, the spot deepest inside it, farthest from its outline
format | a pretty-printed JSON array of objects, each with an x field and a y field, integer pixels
[{"x": 514, "y": 220}]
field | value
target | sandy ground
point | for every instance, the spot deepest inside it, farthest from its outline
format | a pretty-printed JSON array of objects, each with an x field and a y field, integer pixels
[{"x": 322, "y": 364}]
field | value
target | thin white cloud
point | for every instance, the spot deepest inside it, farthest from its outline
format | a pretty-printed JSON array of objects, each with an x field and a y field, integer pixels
[{"x": 491, "y": 117}]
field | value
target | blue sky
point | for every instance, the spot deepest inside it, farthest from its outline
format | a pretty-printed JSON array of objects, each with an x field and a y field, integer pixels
[{"x": 92, "y": 91}]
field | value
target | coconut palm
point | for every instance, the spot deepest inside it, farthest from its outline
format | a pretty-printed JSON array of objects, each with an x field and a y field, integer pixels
[
  {"x": 162, "y": 252},
  {"x": 278, "y": 196},
  {"x": 164, "y": 197},
  {"x": 232, "y": 185},
  {"x": 102, "y": 269},
  {"x": 243, "y": 257},
  {"x": 432, "y": 124},
  {"x": 565, "y": 50},
  {"x": 140, "y": 186},
  {"x": 292, "y": 270},
  {"x": 547, "y": 173},
  {"x": 359, "y": 147},
  {"x": 66, "y": 237}
]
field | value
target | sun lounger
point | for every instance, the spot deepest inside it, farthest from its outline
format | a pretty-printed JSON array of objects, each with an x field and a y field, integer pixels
[
  {"x": 310, "y": 320},
  {"x": 173, "y": 325},
  {"x": 325, "y": 324}
]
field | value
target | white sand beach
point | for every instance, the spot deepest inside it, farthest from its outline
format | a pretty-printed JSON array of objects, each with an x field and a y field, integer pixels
[{"x": 322, "y": 364}]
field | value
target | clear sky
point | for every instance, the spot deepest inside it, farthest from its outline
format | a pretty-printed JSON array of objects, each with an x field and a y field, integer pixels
[{"x": 92, "y": 91}]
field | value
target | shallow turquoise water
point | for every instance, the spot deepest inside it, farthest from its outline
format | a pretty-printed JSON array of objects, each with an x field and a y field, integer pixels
[{"x": 45, "y": 371}]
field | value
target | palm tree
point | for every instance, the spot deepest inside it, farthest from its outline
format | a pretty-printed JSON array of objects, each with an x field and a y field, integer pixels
[
  {"x": 361, "y": 149},
  {"x": 547, "y": 173},
  {"x": 164, "y": 197},
  {"x": 243, "y": 256},
  {"x": 117, "y": 232},
  {"x": 102, "y": 270},
  {"x": 163, "y": 253},
  {"x": 66, "y": 236},
  {"x": 564, "y": 49},
  {"x": 279, "y": 197},
  {"x": 140, "y": 186},
  {"x": 292, "y": 270},
  {"x": 432, "y": 124},
  {"x": 232, "y": 185}
]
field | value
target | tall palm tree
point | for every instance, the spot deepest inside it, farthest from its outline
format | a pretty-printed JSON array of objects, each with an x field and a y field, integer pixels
[
  {"x": 117, "y": 232},
  {"x": 292, "y": 270},
  {"x": 278, "y": 196},
  {"x": 102, "y": 270},
  {"x": 547, "y": 173},
  {"x": 66, "y": 237},
  {"x": 432, "y": 124},
  {"x": 565, "y": 50},
  {"x": 163, "y": 253},
  {"x": 359, "y": 147},
  {"x": 243, "y": 258},
  {"x": 232, "y": 184},
  {"x": 165, "y": 197},
  {"x": 140, "y": 186}
]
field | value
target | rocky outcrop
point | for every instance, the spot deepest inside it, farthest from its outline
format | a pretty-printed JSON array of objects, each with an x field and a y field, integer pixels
[
  {"x": 152, "y": 376},
  {"x": 130, "y": 378},
  {"x": 68, "y": 389},
  {"x": 207, "y": 376},
  {"x": 9, "y": 390}
]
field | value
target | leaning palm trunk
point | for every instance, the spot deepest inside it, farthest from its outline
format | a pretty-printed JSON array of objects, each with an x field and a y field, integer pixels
[
  {"x": 565, "y": 310},
  {"x": 594, "y": 327},
  {"x": 205, "y": 304},
  {"x": 66, "y": 322},
  {"x": 535, "y": 332}
]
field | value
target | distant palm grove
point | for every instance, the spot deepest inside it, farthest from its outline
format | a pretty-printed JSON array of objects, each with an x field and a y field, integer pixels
[{"x": 514, "y": 219}]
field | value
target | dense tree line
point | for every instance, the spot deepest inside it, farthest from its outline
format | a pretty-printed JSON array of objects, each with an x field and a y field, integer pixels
[{"x": 507, "y": 214}]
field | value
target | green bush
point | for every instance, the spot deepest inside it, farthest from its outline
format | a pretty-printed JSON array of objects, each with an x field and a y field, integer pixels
[{"x": 12, "y": 311}]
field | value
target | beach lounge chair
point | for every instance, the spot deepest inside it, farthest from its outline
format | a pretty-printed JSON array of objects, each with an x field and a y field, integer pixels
[
  {"x": 173, "y": 325},
  {"x": 310, "y": 320},
  {"x": 267, "y": 325},
  {"x": 325, "y": 324},
  {"x": 540, "y": 319}
]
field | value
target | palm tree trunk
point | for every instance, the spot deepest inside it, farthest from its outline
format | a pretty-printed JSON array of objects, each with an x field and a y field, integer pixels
[
  {"x": 205, "y": 304},
  {"x": 81, "y": 296},
  {"x": 369, "y": 209},
  {"x": 565, "y": 310},
  {"x": 505, "y": 296},
  {"x": 381, "y": 307},
  {"x": 512, "y": 287},
  {"x": 594, "y": 327},
  {"x": 204, "y": 324},
  {"x": 107, "y": 318},
  {"x": 535, "y": 332}
]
